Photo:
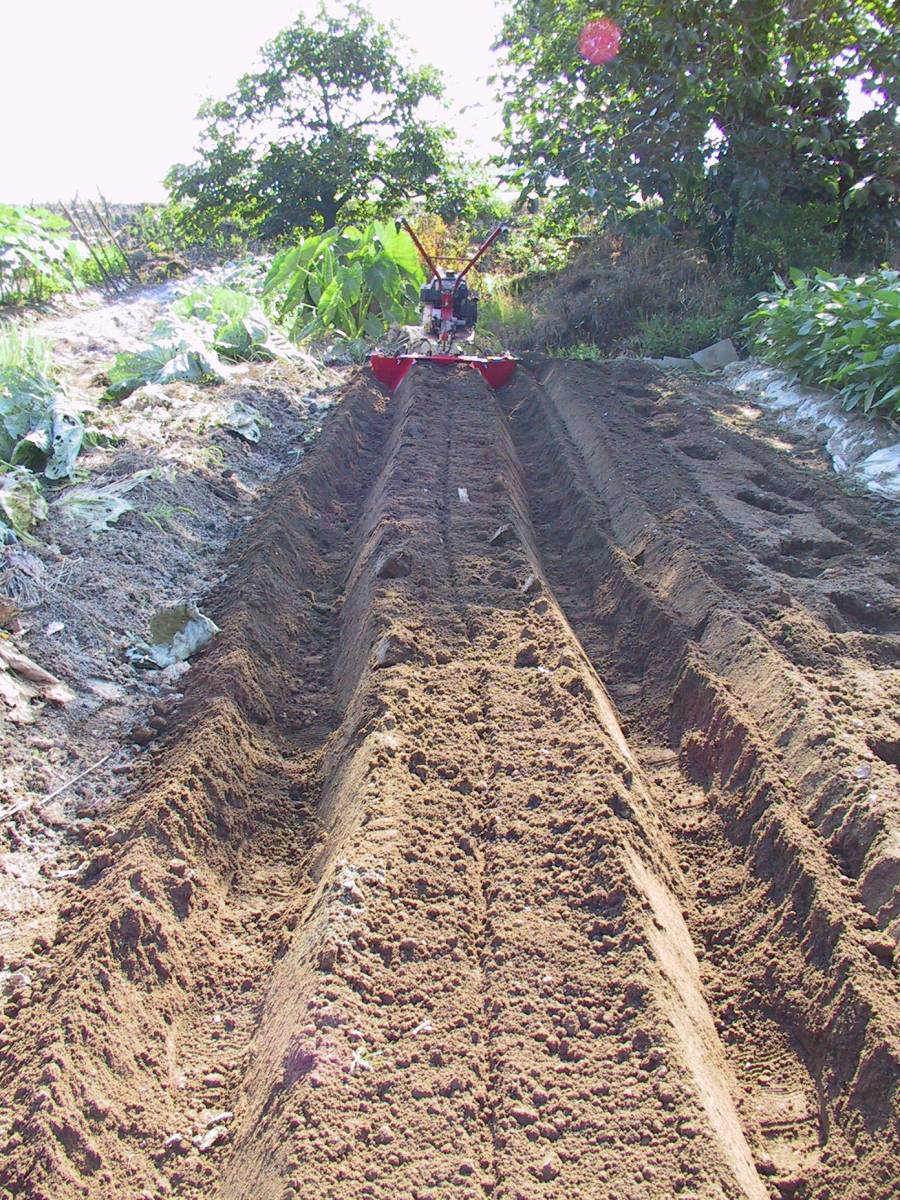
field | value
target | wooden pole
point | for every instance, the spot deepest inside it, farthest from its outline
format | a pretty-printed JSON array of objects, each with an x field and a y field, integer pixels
[
  {"x": 73, "y": 221},
  {"x": 115, "y": 241}
]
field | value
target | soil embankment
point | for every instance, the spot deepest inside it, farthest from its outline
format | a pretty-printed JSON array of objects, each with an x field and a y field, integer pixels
[{"x": 530, "y": 830}]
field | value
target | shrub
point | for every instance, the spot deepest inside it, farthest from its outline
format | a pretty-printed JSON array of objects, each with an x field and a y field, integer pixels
[
  {"x": 768, "y": 242},
  {"x": 836, "y": 332},
  {"x": 653, "y": 294},
  {"x": 504, "y": 315},
  {"x": 666, "y": 333},
  {"x": 37, "y": 254},
  {"x": 581, "y": 351}
]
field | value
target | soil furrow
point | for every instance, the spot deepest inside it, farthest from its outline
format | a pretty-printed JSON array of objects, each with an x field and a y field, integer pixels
[
  {"x": 494, "y": 850},
  {"x": 787, "y": 960}
]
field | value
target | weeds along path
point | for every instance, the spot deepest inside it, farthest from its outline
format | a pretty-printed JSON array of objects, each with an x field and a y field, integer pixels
[{"x": 405, "y": 910}]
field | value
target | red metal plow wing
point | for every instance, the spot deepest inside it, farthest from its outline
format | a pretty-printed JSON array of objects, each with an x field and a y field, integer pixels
[{"x": 391, "y": 369}]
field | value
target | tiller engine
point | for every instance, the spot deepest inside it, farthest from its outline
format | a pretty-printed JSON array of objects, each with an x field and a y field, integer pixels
[{"x": 449, "y": 315}]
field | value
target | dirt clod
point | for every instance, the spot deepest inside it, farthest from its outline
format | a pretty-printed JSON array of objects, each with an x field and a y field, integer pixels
[
  {"x": 393, "y": 649},
  {"x": 393, "y": 564}
]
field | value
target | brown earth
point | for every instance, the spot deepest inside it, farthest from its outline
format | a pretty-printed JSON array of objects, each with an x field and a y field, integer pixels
[{"x": 530, "y": 830}]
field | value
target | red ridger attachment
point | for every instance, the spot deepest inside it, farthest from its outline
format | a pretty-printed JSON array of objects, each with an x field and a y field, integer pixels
[
  {"x": 449, "y": 313},
  {"x": 392, "y": 369}
]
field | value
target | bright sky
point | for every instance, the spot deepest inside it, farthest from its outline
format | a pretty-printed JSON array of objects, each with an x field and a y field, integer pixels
[{"x": 103, "y": 93}]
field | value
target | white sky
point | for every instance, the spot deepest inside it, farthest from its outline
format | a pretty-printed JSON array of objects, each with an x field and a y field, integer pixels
[{"x": 103, "y": 93}]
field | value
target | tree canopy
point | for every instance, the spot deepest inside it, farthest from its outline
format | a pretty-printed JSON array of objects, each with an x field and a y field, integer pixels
[
  {"x": 715, "y": 108},
  {"x": 332, "y": 118}
]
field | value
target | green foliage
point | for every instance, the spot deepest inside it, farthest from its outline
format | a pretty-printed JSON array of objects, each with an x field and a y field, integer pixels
[
  {"x": 682, "y": 334},
  {"x": 837, "y": 332},
  {"x": 40, "y": 426},
  {"x": 712, "y": 109},
  {"x": 539, "y": 243},
  {"x": 331, "y": 119},
  {"x": 238, "y": 328},
  {"x": 352, "y": 281},
  {"x": 769, "y": 242},
  {"x": 182, "y": 225},
  {"x": 37, "y": 255},
  {"x": 504, "y": 314},
  {"x": 581, "y": 351},
  {"x": 177, "y": 350}
]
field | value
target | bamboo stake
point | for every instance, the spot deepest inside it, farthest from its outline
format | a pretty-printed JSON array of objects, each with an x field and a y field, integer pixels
[
  {"x": 113, "y": 241},
  {"x": 107, "y": 225},
  {"x": 97, "y": 237},
  {"x": 73, "y": 221}
]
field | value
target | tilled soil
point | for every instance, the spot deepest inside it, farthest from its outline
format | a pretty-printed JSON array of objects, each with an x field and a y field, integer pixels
[{"x": 530, "y": 830}]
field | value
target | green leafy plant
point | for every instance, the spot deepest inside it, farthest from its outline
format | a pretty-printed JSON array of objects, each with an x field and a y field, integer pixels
[
  {"x": 351, "y": 281},
  {"x": 37, "y": 254},
  {"x": 40, "y": 425},
  {"x": 206, "y": 327},
  {"x": 237, "y": 325},
  {"x": 178, "y": 350},
  {"x": 836, "y": 332}
]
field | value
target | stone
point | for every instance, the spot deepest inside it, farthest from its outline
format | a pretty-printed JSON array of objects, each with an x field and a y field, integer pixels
[
  {"x": 221, "y": 1117},
  {"x": 501, "y": 536},
  {"x": 716, "y": 356},
  {"x": 790, "y": 1185},
  {"x": 549, "y": 1168},
  {"x": 669, "y": 362},
  {"x": 206, "y": 1141},
  {"x": 882, "y": 948},
  {"x": 53, "y": 814},
  {"x": 524, "y": 1115}
]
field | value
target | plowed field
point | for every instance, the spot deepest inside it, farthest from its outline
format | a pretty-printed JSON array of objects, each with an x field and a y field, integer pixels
[{"x": 529, "y": 831}]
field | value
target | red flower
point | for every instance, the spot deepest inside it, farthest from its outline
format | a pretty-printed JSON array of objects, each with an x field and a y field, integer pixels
[{"x": 599, "y": 41}]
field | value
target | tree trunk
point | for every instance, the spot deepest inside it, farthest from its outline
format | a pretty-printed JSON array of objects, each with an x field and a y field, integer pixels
[{"x": 329, "y": 208}]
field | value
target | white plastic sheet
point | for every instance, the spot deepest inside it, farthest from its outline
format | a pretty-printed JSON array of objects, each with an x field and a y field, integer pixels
[{"x": 866, "y": 450}]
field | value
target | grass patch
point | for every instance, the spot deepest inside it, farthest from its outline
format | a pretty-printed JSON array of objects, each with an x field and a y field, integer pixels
[{"x": 646, "y": 295}]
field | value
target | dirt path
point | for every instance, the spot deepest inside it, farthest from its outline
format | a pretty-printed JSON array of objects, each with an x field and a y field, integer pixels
[{"x": 530, "y": 830}]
